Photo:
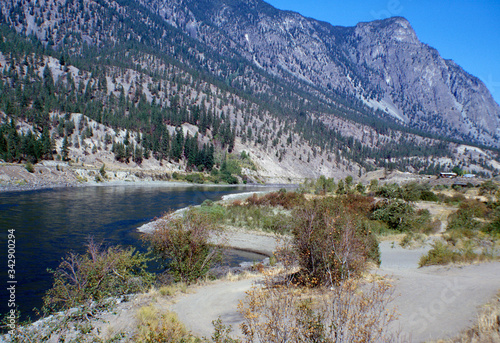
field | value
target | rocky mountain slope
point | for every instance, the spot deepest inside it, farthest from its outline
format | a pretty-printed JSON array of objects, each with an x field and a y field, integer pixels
[
  {"x": 382, "y": 63},
  {"x": 304, "y": 97}
]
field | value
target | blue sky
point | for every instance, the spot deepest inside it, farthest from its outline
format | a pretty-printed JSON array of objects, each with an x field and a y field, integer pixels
[{"x": 466, "y": 31}]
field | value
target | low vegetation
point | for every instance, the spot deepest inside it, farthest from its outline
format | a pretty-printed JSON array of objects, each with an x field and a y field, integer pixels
[
  {"x": 155, "y": 326},
  {"x": 344, "y": 313},
  {"x": 321, "y": 292},
  {"x": 100, "y": 273},
  {"x": 183, "y": 245}
]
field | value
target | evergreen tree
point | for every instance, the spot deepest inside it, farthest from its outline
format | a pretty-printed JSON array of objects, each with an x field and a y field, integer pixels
[
  {"x": 65, "y": 149},
  {"x": 177, "y": 144}
]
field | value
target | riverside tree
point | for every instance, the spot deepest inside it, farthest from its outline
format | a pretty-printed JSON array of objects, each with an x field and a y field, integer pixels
[{"x": 183, "y": 245}]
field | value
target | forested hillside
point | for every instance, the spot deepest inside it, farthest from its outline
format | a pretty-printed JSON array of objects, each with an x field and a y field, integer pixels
[{"x": 114, "y": 78}]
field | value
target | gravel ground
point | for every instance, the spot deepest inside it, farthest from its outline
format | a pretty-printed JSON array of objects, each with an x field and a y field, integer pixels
[{"x": 432, "y": 302}]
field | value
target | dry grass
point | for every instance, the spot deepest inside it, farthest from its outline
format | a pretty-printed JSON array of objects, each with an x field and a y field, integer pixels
[
  {"x": 160, "y": 326},
  {"x": 241, "y": 276},
  {"x": 350, "y": 312},
  {"x": 173, "y": 289}
]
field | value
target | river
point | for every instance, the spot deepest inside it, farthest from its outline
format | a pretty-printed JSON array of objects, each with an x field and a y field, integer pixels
[{"x": 49, "y": 223}]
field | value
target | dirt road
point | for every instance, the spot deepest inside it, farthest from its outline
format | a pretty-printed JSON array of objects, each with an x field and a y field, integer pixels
[
  {"x": 436, "y": 302},
  {"x": 433, "y": 302}
]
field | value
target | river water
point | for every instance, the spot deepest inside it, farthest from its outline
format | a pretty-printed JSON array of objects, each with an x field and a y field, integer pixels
[{"x": 50, "y": 223}]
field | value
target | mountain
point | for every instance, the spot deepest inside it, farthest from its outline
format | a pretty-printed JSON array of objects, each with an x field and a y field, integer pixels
[
  {"x": 306, "y": 97},
  {"x": 381, "y": 63}
]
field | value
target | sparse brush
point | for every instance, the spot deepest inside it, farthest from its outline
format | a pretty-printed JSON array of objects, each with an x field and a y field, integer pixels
[
  {"x": 98, "y": 274},
  {"x": 173, "y": 289},
  {"x": 183, "y": 245},
  {"x": 440, "y": 253},
  {"x": 463, "y": 251},
  {"x": 155, "y": 326},
  {"x": 348, "y": 312}
]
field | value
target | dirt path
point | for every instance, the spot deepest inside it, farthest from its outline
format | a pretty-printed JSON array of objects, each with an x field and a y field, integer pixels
[
  {"x": 433, "y": 302},
  {"x": 437, "y": 211},
  {"x": 219, "y": 300},
  {"x": 436, "y": 302}
]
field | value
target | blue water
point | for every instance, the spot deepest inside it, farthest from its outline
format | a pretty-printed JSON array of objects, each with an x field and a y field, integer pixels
[{"x": 50, "y": 223}]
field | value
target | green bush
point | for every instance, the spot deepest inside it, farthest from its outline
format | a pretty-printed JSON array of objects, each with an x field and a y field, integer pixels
[
  {"x": 493, "y": 227},
  {"x": 277, "y": 224},
  {"x": 215, "y": 212},
  {"x": 183, "y": 245},
  {"x": 488, "y": 188},
  {"x": 29, "y": 167},
  {"x": 456, "y": 199},
  {"x": 228, "y": 178},
  {"x": 98, "y": 274},
  {"x": 439, "y": 254},
  {"x": 195, "y": 178},
  {"x": 442, "y": 253},
  {"x": 464, "y": 220},
  {"x": 427, "y": 195},
  {"x": 397, "y": 214},
  {"x": 389, "y": 191},
  {"x": 231, "y": 166}
]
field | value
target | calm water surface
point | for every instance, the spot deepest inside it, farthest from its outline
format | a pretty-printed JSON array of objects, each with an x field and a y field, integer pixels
[{"x": 49, "y": 223}]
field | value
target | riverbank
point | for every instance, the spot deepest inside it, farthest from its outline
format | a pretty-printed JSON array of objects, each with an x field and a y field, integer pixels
[
  {"x": 51, "y": 174},
  {"x": 433, "y": 302}
]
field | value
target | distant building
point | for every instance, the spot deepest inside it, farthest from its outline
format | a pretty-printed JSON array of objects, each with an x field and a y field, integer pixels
[
  {"x": 448, "y": 175},
  {"x": 461, "y": 184},
  {"x": 470, "y": 176}
]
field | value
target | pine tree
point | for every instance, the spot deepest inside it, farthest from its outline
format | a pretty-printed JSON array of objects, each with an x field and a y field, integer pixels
[{"x": 65, "y": 149}]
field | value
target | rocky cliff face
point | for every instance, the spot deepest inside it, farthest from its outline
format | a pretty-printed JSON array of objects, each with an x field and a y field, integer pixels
[
  {"x": 383, "y": 63},
  {"x": 376, "y": 69},
  {"x": 427, "y": 92}
]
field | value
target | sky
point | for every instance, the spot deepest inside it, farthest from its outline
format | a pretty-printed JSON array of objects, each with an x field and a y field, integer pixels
[{"x": 466, "y": 31}]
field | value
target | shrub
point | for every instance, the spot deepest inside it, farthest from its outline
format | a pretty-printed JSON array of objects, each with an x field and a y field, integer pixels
[
  {"x": 282, "y": 198},
  {"x": 222, "y": 333},
  {"x": 358, "y": 204},
  {"x": 464, "y": 220},
  {"x": 329, "y": 243},
  {"x": 102, "y": 170},
  {"x": 98, "y": 274},
  {"x": 228, "y": 178},
  {"x": 155, "y": 327},
  {"x": 493, "y": 227},
  {"x": 345, "y": 313},
  {"x": 427, "y": 195},
  {"x": 216, "y": 213},
  {"x": 397, "y": 214},
  {"x": 389, "y": 191},
  {"x": 195, "y": 178},
  {"x": 183, "y": 245},
  {"x": 278, "y": 224},
  {"x": 439, "y": 254},
  {"x": 488, "y": 188},
  {"x": 29, "y": 167},
  {"x": 454, "y": 200}
]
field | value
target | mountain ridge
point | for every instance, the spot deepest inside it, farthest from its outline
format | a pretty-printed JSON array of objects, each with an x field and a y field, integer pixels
[
  {"x": 468, "y": 118},
  {"x": 260, "y": 77}
]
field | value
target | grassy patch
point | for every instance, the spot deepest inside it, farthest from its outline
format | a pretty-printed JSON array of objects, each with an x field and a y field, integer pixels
[
  {"x": 173, "y": 289},
  {"x": 467, "y": 251},
  {"x": 154, "y": 326}
]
